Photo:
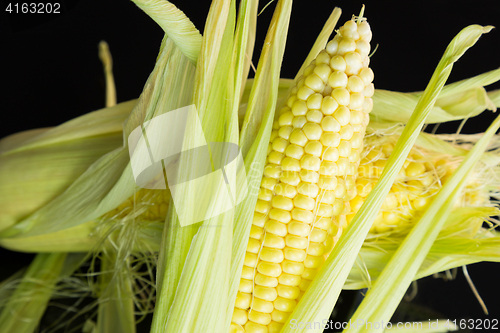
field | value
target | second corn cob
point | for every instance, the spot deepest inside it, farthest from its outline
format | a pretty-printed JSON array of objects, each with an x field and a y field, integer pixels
[
  {"x": 421, "y": 177},
  {"x": 309, "y": 179}
]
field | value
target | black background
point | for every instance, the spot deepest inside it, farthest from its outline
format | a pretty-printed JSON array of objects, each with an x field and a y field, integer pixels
[{"x": 50, "y": 73}]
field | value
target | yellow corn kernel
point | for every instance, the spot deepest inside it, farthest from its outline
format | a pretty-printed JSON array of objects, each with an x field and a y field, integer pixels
[
  {"x": 235, "y": 328},
  {"x": 246, "y": 286},
  {"x": 266, "y": 281},
  {"x": 247, "y": 273},
  {"x": 273, "y": 241},
  {"x": 288, "y": 292},
  {"x": 276, "y": 228},
  {"x": 269, "y": 269},
  {"x": 250, "y": 259},
  {"x": 284, "y": 304},
  {"x": 292, "y": 267},
  {"x": 266, "y": 293},
  {"x": 295, "y": 254},
  {"x": 274, "y": 327},
  {"x": 286, "y": 279},
  {"x": 252, "y": 327},
  {"x": 280, "y": 316},
  {"x": 243, "y": 300},
  {"x": 286, "y": 190},
  {"x": 271, "y": 255},
  {"x": 240, "y": 317},
  {"x": 261, "y": 305},
  {"x": 253, "y": 246},
  {"x": 313, "y": 262}
]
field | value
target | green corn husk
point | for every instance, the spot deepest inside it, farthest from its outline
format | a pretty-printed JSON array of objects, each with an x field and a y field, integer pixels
[
  {"x": 116, "y": 307},
  {"x": 52, "y": 159},
  {"x": 454, "y": 247},
  {"x": 320, "y": 298},
  {"x": 26, "y": 305},
  {"x": 199, "y": 266},
  {"x": 457, "y": 101}
]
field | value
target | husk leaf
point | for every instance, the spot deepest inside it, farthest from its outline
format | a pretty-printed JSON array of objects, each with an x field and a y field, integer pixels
[
  {"x": 458, "y": 100},
  {"x": 109, "y": 181},
  {"x": 455, "y": 246},
  {"x": 38, "y": 166},
  {"x": 176, "y": 25},
  {"x": 79, "y": 238},
  {"x": 115, "y": 312},
  {"x": 26, "y": 305},
  {"x": 198, "y": 256}
]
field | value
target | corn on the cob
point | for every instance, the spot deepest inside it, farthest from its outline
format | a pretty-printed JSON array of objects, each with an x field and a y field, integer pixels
[{"x": 309, "y": 179}]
